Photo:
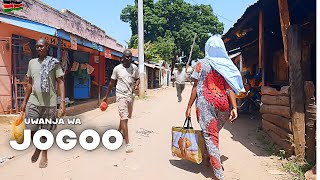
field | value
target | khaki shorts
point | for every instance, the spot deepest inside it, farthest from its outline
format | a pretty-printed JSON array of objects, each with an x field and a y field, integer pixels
[
  {"x": 34, "y": 112},
  {"x": 125, "y": 105}
]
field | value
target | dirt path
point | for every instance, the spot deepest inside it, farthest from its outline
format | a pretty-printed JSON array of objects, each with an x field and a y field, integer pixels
[{"x": 150, "y": 132}]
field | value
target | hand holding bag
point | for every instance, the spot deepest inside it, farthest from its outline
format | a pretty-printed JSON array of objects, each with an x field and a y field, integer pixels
[{"x": 18, "y": 127}]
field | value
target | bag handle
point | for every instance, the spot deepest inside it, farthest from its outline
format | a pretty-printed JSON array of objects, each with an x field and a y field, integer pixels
[{"x": 188, "y": 122}]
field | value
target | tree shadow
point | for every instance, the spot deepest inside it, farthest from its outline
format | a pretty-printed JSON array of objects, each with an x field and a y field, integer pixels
[
  {"x": 247, "y": 130},
  {"x": 192, "y": 167}
]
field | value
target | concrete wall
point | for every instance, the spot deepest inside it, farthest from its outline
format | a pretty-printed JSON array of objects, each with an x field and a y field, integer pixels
[{"x": 66, "y": 20}]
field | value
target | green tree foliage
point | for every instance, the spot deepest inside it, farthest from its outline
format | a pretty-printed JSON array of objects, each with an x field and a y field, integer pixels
[
  {"x": 161, "y": 49},
  {"x": 170, "y": 26}
]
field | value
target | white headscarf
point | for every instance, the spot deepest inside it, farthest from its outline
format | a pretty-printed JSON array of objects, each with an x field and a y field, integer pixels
[{"x": 218, "y": 58}]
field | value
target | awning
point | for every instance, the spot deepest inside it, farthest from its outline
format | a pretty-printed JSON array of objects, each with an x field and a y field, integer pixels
[
  {"x": 81, "y": 41},
  {"x": 27, "y": 24},
  {"x": 135, "y": 58},
  {"x": 115, "y": 53}
]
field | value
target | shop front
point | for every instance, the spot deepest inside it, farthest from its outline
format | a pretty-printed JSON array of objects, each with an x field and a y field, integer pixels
[{"x": 79, "y": 59}]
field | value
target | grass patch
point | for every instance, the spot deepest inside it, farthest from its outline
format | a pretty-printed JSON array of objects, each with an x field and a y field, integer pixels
[
  {"x": 267, "y": 145},
  {"x": 297, "y": 169},
  {"x": 290, "y": 165}
]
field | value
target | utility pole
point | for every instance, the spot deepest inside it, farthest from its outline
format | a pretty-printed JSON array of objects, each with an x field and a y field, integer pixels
[
  {"x": 194, "y": 40},
  {"x": 141, "y": 48}
]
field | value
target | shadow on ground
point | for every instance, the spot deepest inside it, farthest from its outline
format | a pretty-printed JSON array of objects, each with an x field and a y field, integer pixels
[
  {"x": 247, "y": 131},
  {"x": 192, "y": 167}
]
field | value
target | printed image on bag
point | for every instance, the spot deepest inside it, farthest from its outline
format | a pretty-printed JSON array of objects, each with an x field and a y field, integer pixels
[{"x": 187, "y": 143}]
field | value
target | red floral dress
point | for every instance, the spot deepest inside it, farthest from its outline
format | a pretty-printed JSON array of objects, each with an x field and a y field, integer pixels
[{"x": 212, "y": 108}]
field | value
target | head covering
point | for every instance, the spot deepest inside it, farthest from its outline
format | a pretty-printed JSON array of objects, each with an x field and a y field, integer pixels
[{"x": 219, "y": 60}]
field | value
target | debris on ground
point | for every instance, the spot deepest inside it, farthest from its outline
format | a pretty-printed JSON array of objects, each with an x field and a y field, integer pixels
[
  {"x": 5, "y": 159},
  {"x": 144, "y": 132}
]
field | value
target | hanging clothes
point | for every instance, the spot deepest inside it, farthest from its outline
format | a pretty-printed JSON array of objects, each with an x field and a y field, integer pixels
[
  {"x": 65, "y": 60},
  {"x": 90, "y": 69},
  {"x": 75, "y": 66},
  {"x": 83, "y": 66}
]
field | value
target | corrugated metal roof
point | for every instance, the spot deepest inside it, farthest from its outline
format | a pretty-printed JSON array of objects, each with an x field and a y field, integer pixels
[{"x": 254, "y": 8}]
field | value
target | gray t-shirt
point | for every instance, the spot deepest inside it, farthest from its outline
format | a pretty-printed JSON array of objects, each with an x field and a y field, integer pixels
[
  {"x": 38, "y": 97},
  {"x": 126, "y": 78},
  {"x": 180, "y": 77}
]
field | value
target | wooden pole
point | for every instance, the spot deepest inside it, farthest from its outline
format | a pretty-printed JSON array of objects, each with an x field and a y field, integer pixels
[
  {"x": 285, "y": 23},
  {"x": 297, "y": 90},
  {"x": 194, "y": 40},
  {"x": 99, "y": 91},
  {"x": 311, "y": 117},
  {"x": 261, "y": 44}
]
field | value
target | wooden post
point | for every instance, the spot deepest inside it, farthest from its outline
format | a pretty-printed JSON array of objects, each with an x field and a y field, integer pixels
[
  {"x": 194, "y": 40},
  {"x": 311, "y": 117},
  {"x": 285, "y": 23},
  {"x": 297, "y": 90},
  {"x": 261, "y": 44}
]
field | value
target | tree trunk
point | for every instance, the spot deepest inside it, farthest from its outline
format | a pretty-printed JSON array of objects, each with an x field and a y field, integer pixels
[
  {"x": 275, "y": 110},
  {"x": 279, "y": 121},
  {"x": 296, "y": 90},
  {"x": 276, "y": 100},
  {"x": 283, "y": 134},
  {"x": 265, "y": 90},
  {"x": 310, "y": 121},
  {"x": 287, "y": 146}
]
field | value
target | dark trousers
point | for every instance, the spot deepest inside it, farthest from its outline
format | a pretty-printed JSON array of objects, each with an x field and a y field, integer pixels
[{"x": 180, "y": 88}]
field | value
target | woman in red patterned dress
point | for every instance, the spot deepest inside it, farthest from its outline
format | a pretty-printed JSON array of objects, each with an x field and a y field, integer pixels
[{"x": 216, "y": 102}]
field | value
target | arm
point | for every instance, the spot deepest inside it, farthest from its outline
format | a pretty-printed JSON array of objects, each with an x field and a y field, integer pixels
[
  {"x": 173, "y": 78},
  {"x": 136, "y": 86},
  {"x": 110, "y": 86},
  {"x": 60, "y": 82},
  {"x": 234, "y": 111},
  {"x": 192, "y": 98},
  {"x": 27, "y": 94}
]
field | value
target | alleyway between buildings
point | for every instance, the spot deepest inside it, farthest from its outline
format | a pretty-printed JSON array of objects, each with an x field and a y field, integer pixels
[{"x": 243, "y": 155}]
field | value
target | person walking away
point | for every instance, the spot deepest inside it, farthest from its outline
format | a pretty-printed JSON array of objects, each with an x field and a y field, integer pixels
[
  {"x": 126, "y": 76},
  {"x": 40, "y": 101},
  {"x": 216, "y": 81},
  {"x": 179, "y": 78}
]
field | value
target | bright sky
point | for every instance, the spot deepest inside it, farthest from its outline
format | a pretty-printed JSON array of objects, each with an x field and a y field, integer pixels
[{"x": 106, "y": 14}]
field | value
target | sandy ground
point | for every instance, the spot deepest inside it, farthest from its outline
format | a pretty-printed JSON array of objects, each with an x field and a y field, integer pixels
[{"x": 150, "y": 133}]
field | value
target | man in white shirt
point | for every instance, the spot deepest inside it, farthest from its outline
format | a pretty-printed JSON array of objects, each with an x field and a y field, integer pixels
[
  {"x": 179, "y": 78},
  {"x": 126, "y": 76}
]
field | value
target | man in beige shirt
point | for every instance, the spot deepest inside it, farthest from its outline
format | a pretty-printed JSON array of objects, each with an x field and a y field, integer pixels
[
  {"x": 40, "y": 101},
  {"x": 126, "y": 76},
  {"x": 179, "y": 78}
]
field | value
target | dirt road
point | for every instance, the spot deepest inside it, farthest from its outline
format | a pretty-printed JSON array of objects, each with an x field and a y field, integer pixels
[{"x": 150, "y": 132}]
